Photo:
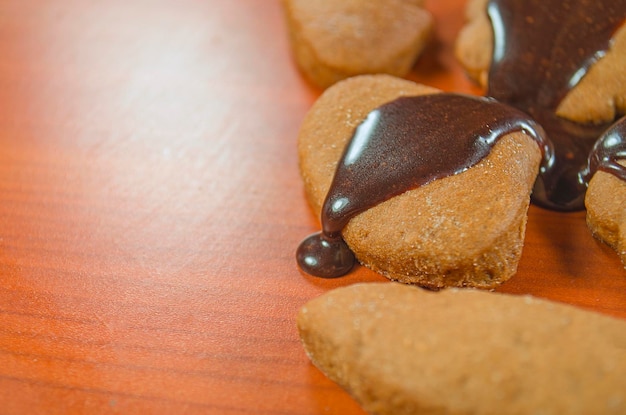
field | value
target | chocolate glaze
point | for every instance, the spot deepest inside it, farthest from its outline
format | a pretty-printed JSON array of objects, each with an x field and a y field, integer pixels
[
  {"x": 402, "y": 145},
  {"x": 542, "y": 48},
  {"x": 606, "y": 152}
]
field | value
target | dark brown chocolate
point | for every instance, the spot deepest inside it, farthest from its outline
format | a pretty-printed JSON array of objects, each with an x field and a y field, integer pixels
[
  {"x": 606, "y": 152},
  {"x": 402, "y": 145},
  {"x": 542, "y": 48}
]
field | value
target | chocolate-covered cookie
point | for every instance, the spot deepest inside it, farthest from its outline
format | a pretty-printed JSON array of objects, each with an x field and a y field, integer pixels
[
  {"x": 448, "y": 211},
  {"x": 335, "y": 39},
  {"x": 597, "y": 97},
  {"x": 606, "y": 197},
  {"x": 560, "y": 61}
]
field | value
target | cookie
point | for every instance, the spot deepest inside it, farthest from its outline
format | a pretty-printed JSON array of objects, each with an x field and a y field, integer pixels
[
  {"x": 403, "y": 350},
  {"x": 562, "y": 61},
  {"x": 606, "y": 197},
  {"x": 465, "y": 229},
  {"x": 600, "y": 96},
  {"x": 474, "y": 44},
  {"x": 336, "y": 39}
]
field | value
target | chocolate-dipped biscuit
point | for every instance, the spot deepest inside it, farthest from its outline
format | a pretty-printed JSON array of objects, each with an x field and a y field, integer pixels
[
  {"x": 597, "y": 97},
  {"x": 460, "y": 225},
  {"x": 403, "y": 350},
  {"x": 563, "y": 63},
  {"x": 334, "y": 39}
]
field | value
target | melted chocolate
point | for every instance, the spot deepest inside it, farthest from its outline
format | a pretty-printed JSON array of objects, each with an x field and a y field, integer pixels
[
  {"x": 606, "y": 152},
  {"x": 542, "y": 49},
  {"x": 400, "y": 146}
]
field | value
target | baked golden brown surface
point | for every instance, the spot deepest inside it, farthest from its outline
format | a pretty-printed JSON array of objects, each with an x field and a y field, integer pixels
[
  {"x": 606, "y": 210},
  {"x": 399, "y": 349},
  {"x": 335, "y": 39}
]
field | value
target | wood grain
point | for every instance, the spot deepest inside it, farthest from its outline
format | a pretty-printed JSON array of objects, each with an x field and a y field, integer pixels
[{"x": 150, "y": 207}]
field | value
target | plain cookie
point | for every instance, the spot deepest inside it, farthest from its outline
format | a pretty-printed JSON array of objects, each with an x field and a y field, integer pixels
[
  {"x": 399, "y": 350},
  {"x": 336, "y": 39}
]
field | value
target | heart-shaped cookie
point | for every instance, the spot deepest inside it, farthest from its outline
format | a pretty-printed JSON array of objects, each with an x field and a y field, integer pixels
[
  {"x": 403, "y": 350},
  {"x": 463, "y": 230},
  {"x": 335, "y": 39}
]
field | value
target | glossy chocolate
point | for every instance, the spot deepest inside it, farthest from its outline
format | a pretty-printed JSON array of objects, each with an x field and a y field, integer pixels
[
  {"x": 400, "y": 146},
  {"x": 542, "y": 48},
  {"x": 606, "y": 152}
]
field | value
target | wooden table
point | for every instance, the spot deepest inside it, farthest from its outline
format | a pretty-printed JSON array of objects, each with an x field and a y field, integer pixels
[{"x": 150, "y": 207}]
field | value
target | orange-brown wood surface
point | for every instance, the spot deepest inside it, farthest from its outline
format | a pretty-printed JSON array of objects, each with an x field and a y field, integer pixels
[{"x": 150, "y": 207}]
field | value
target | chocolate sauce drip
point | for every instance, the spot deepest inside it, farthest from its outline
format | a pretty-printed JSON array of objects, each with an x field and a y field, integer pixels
[
  {"x": 606, "y": 152},
  {"x": 400, "y": 146},
  {"x": 542, "y": 48}
]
